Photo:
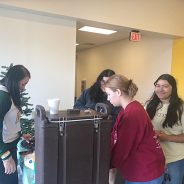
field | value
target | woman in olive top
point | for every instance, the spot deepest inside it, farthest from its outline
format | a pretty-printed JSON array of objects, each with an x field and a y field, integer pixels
[
  {"x": 11, "y": 86},
  {"x": 165, "y": 109}
]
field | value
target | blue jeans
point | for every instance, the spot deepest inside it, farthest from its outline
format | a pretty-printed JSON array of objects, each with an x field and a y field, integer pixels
[
  {"x": 9, "y": 178},
  {"x": 176, "y": 172},
  {"x": 155, "y": 181}
]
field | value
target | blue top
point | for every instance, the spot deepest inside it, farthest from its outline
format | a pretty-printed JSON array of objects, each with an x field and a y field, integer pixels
[{"x": 85, "y": 102}]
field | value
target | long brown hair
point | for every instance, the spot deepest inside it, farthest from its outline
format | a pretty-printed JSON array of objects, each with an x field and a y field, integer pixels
[
  {"x": 96, "y": 94},
  {"x": 175, "y": 108},
  {"x": 11, "y": 81}
]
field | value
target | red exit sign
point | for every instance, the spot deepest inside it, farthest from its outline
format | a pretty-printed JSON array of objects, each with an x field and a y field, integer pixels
[{"x": 135, "y": 36}]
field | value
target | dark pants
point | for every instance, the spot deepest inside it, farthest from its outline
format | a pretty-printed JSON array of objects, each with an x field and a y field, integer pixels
[{"x": 9, "y": 178}]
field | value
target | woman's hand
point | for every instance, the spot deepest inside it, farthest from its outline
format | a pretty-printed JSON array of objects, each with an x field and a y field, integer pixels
[
  {"x": 9, "y": 165},
  {"x": 170, "y": 138},
  {"x": 112, "y": 176},
  {"x": 27, "y": 137},
  {"x": 162, "y": 136}
]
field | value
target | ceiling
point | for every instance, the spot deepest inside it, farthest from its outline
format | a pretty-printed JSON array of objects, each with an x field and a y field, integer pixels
[{"x": 88, "y": 40}]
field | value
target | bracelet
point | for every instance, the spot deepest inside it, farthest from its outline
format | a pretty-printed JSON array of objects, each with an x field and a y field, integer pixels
[{"x": 6, "y": 155}]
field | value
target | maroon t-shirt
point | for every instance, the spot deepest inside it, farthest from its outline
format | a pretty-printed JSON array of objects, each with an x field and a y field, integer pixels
[{"x": 135, "y": 150}]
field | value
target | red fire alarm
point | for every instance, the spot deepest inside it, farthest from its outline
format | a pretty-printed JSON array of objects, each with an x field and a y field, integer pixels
[{"x": 135, "y": 36}]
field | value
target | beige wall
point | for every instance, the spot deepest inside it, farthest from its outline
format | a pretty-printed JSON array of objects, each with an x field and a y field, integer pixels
[
  {"x": 46, "y": 45},
  {"x": 163, "y": 16},
  {"x": 142, "y": 61},
  {"x": 154, "y": 55}
]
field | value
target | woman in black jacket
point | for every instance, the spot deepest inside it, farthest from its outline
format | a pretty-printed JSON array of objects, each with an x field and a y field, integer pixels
[{"x": 96, "y": 94}]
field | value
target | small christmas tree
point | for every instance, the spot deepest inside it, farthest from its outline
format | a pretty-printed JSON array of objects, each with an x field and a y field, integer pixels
[
  {"x": 26, "y": 120},
  {"x": 6, "y": 68},
  {"x": 27, "y": 123}
]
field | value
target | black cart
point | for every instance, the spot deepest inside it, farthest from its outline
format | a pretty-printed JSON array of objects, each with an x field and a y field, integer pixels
[{"x": 72, "y": 147}]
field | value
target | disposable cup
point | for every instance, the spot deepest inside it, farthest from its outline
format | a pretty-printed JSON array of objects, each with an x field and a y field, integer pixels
[{"x": 53, "y": 105}]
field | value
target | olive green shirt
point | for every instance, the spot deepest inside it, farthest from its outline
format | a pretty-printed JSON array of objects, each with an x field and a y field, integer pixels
[{"x": 173, "y": 151}]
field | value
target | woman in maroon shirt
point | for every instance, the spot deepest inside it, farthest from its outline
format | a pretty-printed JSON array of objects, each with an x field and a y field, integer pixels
[{"x": 135, "y": 150}]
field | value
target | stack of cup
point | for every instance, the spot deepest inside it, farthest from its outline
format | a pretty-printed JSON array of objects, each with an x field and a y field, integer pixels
[{"x": 53, "y": 105}]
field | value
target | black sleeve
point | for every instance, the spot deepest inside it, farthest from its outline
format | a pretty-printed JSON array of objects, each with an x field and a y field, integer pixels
[{"x": 5, "y": 105}]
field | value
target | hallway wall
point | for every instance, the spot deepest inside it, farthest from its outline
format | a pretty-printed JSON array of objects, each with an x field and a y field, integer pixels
[
  {"x": 178, "y": 64},
  {"x": 46, "y": 46},
  {"x": 141, "y": 61}
]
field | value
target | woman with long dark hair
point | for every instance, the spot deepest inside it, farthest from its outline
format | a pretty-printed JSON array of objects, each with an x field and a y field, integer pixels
[
  {"x": 11, "y": 87},
  {"x": 165, "y": 109},
  {"x": 96, "y": 94}
]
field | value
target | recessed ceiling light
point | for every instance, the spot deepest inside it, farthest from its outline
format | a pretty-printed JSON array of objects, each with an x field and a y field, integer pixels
[
  {"x": 97, "y": 30},
  {"x": 76, "y": 44}
]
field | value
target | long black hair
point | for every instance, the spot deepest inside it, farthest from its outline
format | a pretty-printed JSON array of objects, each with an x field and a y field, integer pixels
[
  {"x": 175, "y": 108},
  {"x": 96, "y": 94},
  {"x": 11, "y": 81}
]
